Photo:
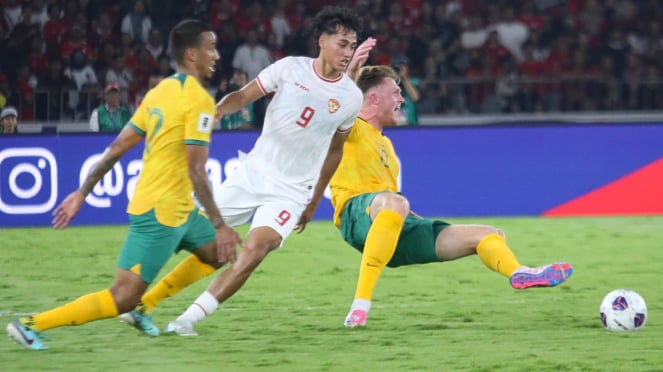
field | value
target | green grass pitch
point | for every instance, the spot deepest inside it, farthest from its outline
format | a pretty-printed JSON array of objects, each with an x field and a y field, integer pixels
[{"x": 289, "y": 316}]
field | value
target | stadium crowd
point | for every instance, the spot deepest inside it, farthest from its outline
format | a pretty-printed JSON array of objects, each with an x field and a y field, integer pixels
[{"x": 465, "y": 56}]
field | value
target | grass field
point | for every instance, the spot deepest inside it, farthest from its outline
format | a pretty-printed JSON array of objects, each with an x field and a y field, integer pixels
[{"x": 289, "y": 317}]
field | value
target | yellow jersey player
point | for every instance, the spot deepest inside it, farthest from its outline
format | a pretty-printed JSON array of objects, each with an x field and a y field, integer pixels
[
  {"x": 376, "y": 219},
  {"x": 313, "y": 108},
  {"x": 175, "y": 121}
]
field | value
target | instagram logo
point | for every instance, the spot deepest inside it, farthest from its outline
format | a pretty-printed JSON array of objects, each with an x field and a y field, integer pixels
[{"x": 28, "y": 180}]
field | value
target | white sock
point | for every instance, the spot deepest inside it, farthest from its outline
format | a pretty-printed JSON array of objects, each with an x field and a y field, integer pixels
[
  {"x": 361, "y": 304},
  {"x": 201, "y": 308}
]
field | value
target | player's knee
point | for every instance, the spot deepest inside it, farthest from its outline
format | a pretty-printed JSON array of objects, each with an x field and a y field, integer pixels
[
  {"x": 498, "y": 232},
  {"x": 254, "y": 251},
  {"x": 391, "y": 201}
]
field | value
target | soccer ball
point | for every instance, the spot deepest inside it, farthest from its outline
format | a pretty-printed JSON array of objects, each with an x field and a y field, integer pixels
[{"x": 623, "y": 310}]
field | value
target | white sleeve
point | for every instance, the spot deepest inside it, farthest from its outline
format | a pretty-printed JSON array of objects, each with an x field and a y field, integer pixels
[
  {"x": 269, "y": 79},
  {"x": 94, "y": 121},
  {"x": 346, "y": 125},
  {"x": 358, "y": 101}
]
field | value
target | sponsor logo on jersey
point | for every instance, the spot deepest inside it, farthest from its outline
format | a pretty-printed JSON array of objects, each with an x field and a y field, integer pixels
[
  {"x": 302, "y": 87},
  {"x": 205, "y": 123},
  {"x": 333, "y": 105}
]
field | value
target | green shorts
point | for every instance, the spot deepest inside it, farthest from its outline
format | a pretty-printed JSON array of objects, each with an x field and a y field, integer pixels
[
  {"x": 416, "y": 244},
  {"x": 150, "y": 244}
]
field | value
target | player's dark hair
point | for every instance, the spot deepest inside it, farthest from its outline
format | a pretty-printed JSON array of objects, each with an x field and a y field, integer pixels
[
  {"x": 332, "y": 18},
  {"x": 372, "y": 76},
  {"x": 186, "y": 34}
]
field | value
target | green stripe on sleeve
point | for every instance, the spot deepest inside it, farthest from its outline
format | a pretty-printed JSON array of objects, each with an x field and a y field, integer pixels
[
  {"x": 196, "y": 142},
  {"x": 134, "y": 127}
]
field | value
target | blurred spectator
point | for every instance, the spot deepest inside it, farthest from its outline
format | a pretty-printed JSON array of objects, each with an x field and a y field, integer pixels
[
  {"x": 280, "y": 26},
  {"x": 408, "y": 112},
  {"x": 651, "y": 91},
  {"x": 252, "y": 17},
  {"x": 164, "y": 67},
  {"x": 24, "y": 30},
  {"x": 8, "y": 120},
  {"x": 104, "y": 60},
  {"x": 80, "y": 71},
  {"x": 39, "y": 12},
  {"x": 11, "y": 13},
  {"x": 142, "y": 65},
  {"x": 244, "y": 118},
  {"x": 227, "y": 45},
  {"x": 120, "y": 75},
  {"x": 55, "y": 93},
  {"x": 136, "y": 23},
  {"x": 221, "y": 11},
  {"x": 55, "y": 28},
  {"x": 102, "y": 30},
  {"x": 152, "y": 82},
  {"x": 36, "y": 55},
  {"x": 82, "y": 74},
  {"x": 110, "y": 116},
  {"x": 5, "y": 90},
  {"x": 468, "y": 54},
  {"x": 251, "y": 56},
  {"x": 155, "y": 43},
  {"x": 26, "y": 82},
  {"x": 76, "y": 41}
]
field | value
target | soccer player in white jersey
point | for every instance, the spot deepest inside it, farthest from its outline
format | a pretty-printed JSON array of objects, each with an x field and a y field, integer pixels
[{"x": 313, "y": 109}]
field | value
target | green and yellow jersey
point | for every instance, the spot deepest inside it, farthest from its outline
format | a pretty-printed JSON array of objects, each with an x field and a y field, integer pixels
[
  {"x": 369, "y": 164},
  {"x": 175, "y": 113}
]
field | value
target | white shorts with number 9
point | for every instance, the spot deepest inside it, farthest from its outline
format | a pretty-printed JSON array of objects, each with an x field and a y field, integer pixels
[{"x": 248, "y": 193}]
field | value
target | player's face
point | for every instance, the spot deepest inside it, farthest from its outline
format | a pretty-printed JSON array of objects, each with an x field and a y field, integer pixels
[
  {"x": 336, "y": 49},
  {"x": 207, "y": 55},
  {"x": 390, "y": 100}
]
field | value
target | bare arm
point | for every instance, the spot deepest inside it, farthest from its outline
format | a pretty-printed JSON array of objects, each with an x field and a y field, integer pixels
[
  {"x": 234, "y": 101},
  {"x": 226, "y": 238},
  {"x": 411, "y": 90},
  {"x": 67, "y": 210},
  {"x": 197, "y": 158},
  {"x": 333, "y": 159},
  {"x": 127, "y": 139}
]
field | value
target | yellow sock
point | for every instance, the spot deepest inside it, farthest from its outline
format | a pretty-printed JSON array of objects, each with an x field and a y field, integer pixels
[
  {"x": 497, "y": 255},
  {"x": 187, "y": 272},
  {"x": 93, "y": 306},
  {"x": 379, "y": 248}
]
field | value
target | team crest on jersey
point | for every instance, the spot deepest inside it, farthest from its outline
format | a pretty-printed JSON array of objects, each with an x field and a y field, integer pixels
[{"x": 333, "y": 105}]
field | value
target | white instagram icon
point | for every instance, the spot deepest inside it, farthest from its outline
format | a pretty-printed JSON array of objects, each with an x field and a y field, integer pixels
[{"x": 37, "y": 163}]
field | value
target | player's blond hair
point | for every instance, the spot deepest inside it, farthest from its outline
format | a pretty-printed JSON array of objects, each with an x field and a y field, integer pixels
[{"x": 372, "y": 76}]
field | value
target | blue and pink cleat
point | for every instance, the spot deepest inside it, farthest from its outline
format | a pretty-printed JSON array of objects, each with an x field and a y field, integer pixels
[{"x": 543, "y": 276}]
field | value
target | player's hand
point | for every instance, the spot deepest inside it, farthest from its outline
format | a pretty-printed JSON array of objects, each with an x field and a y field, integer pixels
[
  {"x": 218, "y": 114},
  {"x": 227, "y": 240},
  {"x": 403, "y": 72},
  {"x": 305, "y": 218},
  {"x": 360, "y": 57},
  {"x": 66, "y": 211}
]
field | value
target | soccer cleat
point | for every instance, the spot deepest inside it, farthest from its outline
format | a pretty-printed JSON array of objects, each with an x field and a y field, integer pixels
[
  {"x": 25, "y": 336},
  {"x": 141, "y": 322},
  {"x": 543, "y": 276},
  {"x": 181, "y": 327},
  {"x": 356, "y": 318}
]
